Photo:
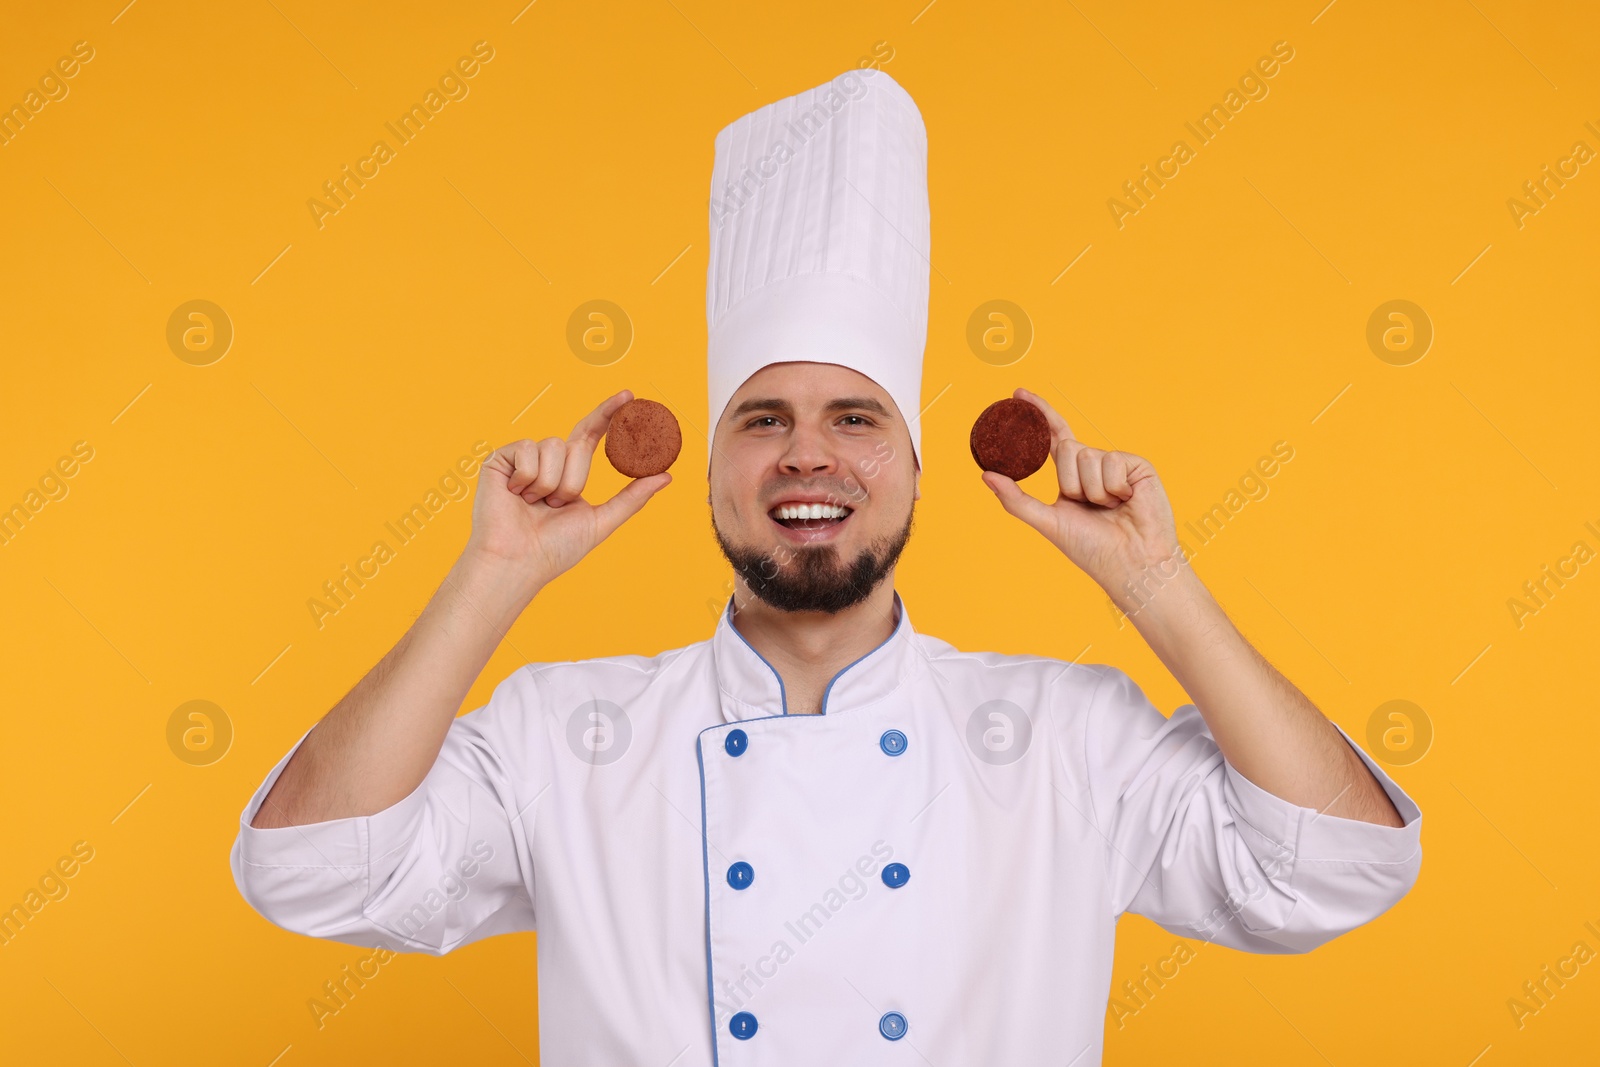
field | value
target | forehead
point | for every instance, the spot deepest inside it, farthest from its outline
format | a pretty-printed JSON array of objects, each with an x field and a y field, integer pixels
[{"x": 800, "y": 381}]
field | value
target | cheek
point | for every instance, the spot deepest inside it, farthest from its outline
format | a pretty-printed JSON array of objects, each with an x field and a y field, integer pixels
[
  {"x": 734, "y": 504},
  {"x": 885, "y": 474}
]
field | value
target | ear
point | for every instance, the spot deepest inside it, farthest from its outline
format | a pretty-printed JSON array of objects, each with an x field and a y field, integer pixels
[{"x": 916, "y": 483}]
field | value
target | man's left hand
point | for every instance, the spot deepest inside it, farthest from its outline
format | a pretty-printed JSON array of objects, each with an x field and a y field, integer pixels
[{"x": 1111, "y": 517}]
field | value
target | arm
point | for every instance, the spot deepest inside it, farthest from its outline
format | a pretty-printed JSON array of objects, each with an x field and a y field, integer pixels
[
  {"x": 1266, "y": 728},
  {"x": 529, "y": 524},
  {"x": 1113, "y": 520},
  {"x": 1195, "y": 846},
  {"x": 378, "y": 743},
  {"x": 393, "y": 823}
]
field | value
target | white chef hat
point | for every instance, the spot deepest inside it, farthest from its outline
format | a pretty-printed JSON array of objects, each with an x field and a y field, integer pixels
[{"x": 819, "y": 241}]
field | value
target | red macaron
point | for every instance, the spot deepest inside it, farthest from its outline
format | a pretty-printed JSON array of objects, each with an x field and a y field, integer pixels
[
  {"x": 643, "y": 438},
  {"x": 1011, "y": 437}
]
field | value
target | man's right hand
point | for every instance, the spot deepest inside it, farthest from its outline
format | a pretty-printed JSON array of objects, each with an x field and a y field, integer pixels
[
  {"x": 529, "y": 524},
  {"x": 529, "y": 509}
]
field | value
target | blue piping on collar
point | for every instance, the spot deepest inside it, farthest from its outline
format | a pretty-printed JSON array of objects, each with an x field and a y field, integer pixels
[
  {"x": 783, "y": 693},
  {"x": 899, "y": 624}
]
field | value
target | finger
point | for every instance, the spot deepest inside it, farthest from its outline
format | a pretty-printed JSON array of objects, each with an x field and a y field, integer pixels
[
  {"x": 1059, "y": 429},
  {"x": 582, "y": 442},
  {"x": 1091, "y": 474},
  {"x": 1115, "y": 475},
  {"x": 592, "y": 426},
  {"x": 498, "y": 465},
  {"x": 1064, "y": 447},
  {"x": 1020, "y": 504},
  {"x": 552, "y": 458},
  {"x": 626, "y": 504},
  {"x": 1066, "y": 456},
  {"x": 573, "y": 476},
  {"x": 523, "y": 457}
]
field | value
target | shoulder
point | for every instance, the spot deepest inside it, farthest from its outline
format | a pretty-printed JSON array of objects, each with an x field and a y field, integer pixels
[
  {"x": 1044, "y": 681},
  {"x": 537, "y": 711},
  {"x": 534, "y": 707},
  {"x": 617, "y": 678}
]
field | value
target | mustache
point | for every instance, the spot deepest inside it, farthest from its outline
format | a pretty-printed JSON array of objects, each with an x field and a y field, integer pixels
[{"x": 851, "y": 493}]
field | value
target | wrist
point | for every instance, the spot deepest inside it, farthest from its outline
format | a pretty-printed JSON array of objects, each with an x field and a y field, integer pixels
[
  {"x": 506, "y": 584},
  {"x": 1143, "y": 590}
]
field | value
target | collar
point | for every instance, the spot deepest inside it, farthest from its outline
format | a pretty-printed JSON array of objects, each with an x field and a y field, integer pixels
[{"x": 750, "y": 688}]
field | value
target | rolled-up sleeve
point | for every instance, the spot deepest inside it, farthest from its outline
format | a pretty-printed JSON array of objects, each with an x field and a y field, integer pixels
[
  {"x": 446, "y": 865},
  {"x": 1204, "y": 852}
]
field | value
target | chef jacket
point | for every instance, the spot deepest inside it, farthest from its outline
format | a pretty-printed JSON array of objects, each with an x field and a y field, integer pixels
[{"x": 930, "y": 871}]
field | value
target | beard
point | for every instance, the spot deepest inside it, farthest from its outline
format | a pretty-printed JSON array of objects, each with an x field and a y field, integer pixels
[{"x": 813, "y": 577}]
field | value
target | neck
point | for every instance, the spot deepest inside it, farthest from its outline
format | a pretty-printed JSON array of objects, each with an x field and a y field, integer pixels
[{"x": 807, "y": 648}]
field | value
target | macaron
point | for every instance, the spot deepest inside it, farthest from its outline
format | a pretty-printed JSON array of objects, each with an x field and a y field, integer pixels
[
  {"x": 643, "y": 438},
  {"x": 1011, "y": 437}
]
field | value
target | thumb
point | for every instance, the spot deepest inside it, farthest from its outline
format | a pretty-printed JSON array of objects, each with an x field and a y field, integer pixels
[
  {"x": 1019, "y": 504},
  {"x": 626, "y": 504}
]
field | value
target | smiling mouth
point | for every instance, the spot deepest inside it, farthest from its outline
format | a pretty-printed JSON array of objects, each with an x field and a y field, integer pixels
[{"x": 809, "y": 517}]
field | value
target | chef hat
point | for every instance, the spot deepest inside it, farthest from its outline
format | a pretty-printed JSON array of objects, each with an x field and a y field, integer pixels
[{"x": 819, "y": 241}]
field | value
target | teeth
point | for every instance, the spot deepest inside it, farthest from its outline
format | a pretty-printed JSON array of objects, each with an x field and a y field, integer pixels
[{"x": 811, "y": 511}]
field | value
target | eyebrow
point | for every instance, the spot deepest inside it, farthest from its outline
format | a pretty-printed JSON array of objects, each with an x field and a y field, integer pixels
[{"x": 843, "y": 403}]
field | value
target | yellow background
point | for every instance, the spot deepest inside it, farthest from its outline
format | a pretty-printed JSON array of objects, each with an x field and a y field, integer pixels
[{"x": 426, "y": 315}]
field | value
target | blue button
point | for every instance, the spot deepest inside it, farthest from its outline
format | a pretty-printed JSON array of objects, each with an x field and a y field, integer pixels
[
  {"x": 735, "y": 744},
  {"x": 892, "y": 1025},
  {"x": 896, "y": 875},
  {"x": 741, "y": 874},
  {"x": 742, "y": 1026},
  {"x": 893, "y": 742}
]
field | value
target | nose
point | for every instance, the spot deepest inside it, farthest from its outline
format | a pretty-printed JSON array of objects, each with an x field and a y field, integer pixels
[{"x": 809, "y": 452}]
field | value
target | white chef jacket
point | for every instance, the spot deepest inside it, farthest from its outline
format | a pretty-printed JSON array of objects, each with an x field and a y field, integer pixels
[{"x": 931, "y": 871}]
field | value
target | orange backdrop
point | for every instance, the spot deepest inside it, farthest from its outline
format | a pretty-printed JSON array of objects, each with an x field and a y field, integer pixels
[{"x": 239, "y": 342}]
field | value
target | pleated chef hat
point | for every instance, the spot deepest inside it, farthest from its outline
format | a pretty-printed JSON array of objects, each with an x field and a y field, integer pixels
[{"x": 819, "y": 241}]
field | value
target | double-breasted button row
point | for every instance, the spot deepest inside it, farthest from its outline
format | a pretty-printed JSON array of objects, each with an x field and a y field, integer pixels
[
  {"x": 892, "y": 1024},
  {"x": 893, "y": 742}
]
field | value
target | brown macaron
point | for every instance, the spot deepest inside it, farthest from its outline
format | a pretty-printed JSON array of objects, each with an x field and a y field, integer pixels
[
  {"x": 643, "y": 438},
  {"x": 1011, "y": 437}
]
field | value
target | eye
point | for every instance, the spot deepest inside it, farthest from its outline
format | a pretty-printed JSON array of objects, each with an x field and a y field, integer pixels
[
  {"x": 864, "y": 420},
  {"x": 760, "y": 418}
]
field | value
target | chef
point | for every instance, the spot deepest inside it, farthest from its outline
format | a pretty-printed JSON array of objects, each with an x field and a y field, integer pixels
[{"x": 820, "y": 836}]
